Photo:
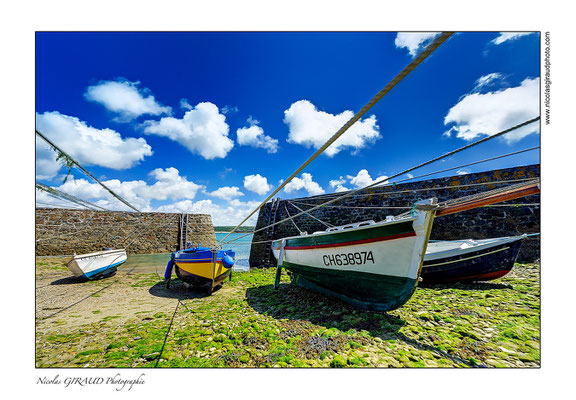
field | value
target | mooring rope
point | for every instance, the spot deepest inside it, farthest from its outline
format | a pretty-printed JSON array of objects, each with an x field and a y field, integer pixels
[
  {"x": 85, "y": 171},
  {"x": 353, "y": 192},
  {"x": 49, "y": 234},
  {"x": 65, "y": 196},
  {"x": 421, "y": 190},
  {"x": 310, "y": 215},
  {"x": 477, "y": 196},
  {"x": 407, "y": 70},
  {"x": 58, "y": 206},
  {"x": 167, "y": 334},
  {"x": 331, "y": 195},
  {"x": 364, "y": 207},
  {"x": 142, "y": 231},
  {"x": 79, "y": 301},
  {"x": 293, "y": 222}
]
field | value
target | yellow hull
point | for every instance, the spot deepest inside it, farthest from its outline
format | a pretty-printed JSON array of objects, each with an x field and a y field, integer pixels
[{"x": 203, "y": 269}]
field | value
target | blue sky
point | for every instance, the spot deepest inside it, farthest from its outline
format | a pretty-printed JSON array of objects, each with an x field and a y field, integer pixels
[{"x": 212, "y": 122}]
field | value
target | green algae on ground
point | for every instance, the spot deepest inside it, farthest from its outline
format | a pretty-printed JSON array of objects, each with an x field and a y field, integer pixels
[{"x": 247, "y": 323}]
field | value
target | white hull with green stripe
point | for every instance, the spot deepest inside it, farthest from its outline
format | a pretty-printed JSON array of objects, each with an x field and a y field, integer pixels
[{"x": 370, "y": 265}]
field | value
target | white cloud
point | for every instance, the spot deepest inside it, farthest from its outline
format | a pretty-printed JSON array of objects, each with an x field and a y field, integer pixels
[
  {"x": 46, "y": 165},
  {"x": 226, "y": 192},
  {"x": 187, "y": 206},
  {"x": 248, "y": 204},
  {"x": 96, "y": 194},
  {"x": 487, "y": 80},
  {"x": 254, "y": 136},
  {"x": 414, "y": 41},
  {"x": 185, "y": 104},
  {"x": 87, "y": 145},
  {"x": 312, "y": 128},
  {"x": 257, "y": 184},
  {"x": 202, "y": 130},
  {"x": 229, "y": 110},
  {"x": 221, "y": 216},
  {"x": 168, "y": 185},
  {"x": 43, "y": 199},
  {"x": 507, "y": 36},
  {"x": 485, "y": 114},
  {"x": 363, "y": 179},
  {"x": 305, "y": 183},
  {"x": 463, "y": 172},
  {"x": 337, "y": 182},
  {"x": 338, "y": 185},
  {"x": 126, "y": 99}
]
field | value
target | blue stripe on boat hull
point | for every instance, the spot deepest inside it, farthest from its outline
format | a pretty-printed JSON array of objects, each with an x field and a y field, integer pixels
[{"x": 101, "y": 271}]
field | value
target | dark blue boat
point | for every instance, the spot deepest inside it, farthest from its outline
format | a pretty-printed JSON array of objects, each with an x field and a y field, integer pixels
[{"x": 470, "y": 260}]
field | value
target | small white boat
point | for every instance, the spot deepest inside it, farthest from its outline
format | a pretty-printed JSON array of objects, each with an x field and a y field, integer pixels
[{"x": 98, "y": 264}]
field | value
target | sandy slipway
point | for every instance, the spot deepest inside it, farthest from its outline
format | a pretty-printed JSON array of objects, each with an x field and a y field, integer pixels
[{"x": 131, "y": 320}]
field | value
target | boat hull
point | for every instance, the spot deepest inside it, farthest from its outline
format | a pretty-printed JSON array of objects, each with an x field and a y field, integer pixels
[
  {"x": 374, "y": 292},
  {"x": 98, "y": 264},
  {"x": 374, "y": 267},
  {"x": 197, "y": 267},
  {"x": 481, "y": 260}
]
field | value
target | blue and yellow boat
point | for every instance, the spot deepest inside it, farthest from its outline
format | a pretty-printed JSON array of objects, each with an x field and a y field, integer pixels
[{"x": 201, "y": 267}]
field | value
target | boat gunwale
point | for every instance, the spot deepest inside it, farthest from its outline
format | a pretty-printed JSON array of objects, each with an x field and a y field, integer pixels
[
  {"x": 474, "y": 248},
  {"x": 98, "y": 253},
  {"x": 340, "y": 231}
]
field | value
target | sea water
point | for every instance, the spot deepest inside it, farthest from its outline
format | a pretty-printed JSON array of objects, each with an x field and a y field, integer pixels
[
  {"x": 241, "y": 247},
  {"x": 148, "y": 263}
]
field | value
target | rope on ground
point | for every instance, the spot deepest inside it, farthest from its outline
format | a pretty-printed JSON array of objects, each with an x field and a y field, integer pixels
[
  {"x": 79, "y": 301},
  {"x": 167, "y": 334}
]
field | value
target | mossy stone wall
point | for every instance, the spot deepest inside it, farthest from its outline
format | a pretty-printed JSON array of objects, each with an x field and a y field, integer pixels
[
  {"x": 64, "y": 232},
  {"x": 506, "y": 219}
]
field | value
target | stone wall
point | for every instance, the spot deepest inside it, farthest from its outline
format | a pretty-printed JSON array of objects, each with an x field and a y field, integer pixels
[
  {"x": 506, "y": 219},
  {"x": 64, "y": 232}
]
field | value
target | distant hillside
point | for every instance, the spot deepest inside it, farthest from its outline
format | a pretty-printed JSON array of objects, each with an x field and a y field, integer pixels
[{"x": 229, "y": 228}]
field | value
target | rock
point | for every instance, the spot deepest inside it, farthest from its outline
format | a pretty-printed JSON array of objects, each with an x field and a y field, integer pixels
[
  {"x": 151, "y": 356},
  {"x": 338, "y": 362},
  {"x": 244, "y": 358}
]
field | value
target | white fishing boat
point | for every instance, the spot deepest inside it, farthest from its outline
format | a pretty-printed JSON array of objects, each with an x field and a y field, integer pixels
[
  {"x": 97, "y": 265},
  {"x": 372, "y": 265}
]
